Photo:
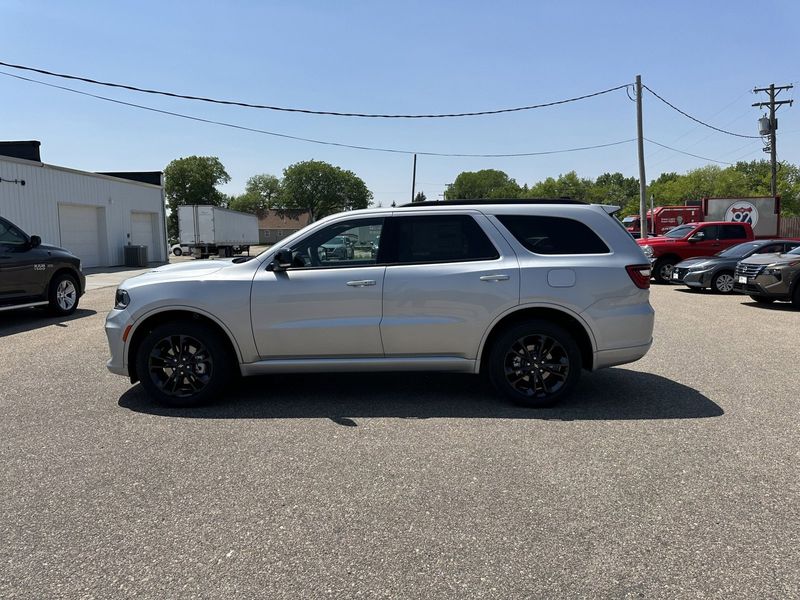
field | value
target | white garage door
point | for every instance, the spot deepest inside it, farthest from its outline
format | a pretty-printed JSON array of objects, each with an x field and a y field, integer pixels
[
  {"x": 80, "y": 232},
  {"x": 143, "y": 232}
]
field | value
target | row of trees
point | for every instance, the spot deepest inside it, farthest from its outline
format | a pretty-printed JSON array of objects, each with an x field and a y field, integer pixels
[
  {"x": 742, "y": 179},
  {"x": 314, "y": 186}
]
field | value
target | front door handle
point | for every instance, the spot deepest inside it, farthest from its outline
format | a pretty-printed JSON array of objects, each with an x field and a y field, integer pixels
[
  {"x": 361, "y": 283},
  {"x": 497, "y": 277}
]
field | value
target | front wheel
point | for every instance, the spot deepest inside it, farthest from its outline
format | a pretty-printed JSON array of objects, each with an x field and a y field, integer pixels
[
  {"x": 177, "y": 251},
  {"x": 723, "y": 283},
  {"x": 535, "y": 363},
  {"x": 662, "y": 271},
  {"x": 63, "y": 295},
  {"x": 184, "y": 364},
  {"x": 796, "y": 296}
]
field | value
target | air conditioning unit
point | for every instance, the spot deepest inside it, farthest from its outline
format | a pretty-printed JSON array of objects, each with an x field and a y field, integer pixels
[{"x": 135, "y": 256}]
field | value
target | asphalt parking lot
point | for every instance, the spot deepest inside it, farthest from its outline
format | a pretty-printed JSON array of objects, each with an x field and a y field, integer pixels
[{"x": 675, "y": 477}]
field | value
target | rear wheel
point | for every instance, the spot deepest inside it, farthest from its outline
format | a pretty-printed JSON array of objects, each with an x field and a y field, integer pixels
[
  {"x": 662, "y": 270},
  {"x": 723, "y": 282},
  {"x": 535, "y": 363},
  {"x": 184, "y": 364},
  {"x": 763, "y": 299},
  {"x": 63, "y": 295}
]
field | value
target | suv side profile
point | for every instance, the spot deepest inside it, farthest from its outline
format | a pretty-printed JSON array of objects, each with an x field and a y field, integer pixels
[
  {"x": 36, "y": 274},
  {"x": 527, "y": 292}
]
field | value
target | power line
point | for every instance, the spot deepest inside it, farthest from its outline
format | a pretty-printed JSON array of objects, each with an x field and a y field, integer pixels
[
  {"x": 310, "y": 140},
  {"x": 703, "y": 123},
  {"x": 722, "y": 162},
  {"x": 307, "y": 110}
]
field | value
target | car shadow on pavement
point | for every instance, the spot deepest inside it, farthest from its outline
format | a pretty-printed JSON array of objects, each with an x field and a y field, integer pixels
[
  {"x": 28, "y": 319},
  {"x": 611, "y": 394},
  {"x": 779, "y": 306}
]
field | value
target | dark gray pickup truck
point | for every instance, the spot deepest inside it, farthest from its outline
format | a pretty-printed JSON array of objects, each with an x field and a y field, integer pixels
[{"x": 36, "y": 274}]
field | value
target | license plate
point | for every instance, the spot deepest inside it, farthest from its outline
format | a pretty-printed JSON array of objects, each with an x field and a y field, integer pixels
[
  {"x": 742, "y": 279},
  {"x": 675, "y": 275}
]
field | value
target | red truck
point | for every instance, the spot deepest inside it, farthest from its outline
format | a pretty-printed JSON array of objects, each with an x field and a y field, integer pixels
[
  {"x": 666, "y": 217},
  {"x": 762, "y": 213},
  {"x": 690, "y": 240}
]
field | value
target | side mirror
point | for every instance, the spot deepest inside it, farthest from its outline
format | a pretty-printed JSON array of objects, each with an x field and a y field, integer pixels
[
  {"x": 281, "y": 261},
  {"x": 35, "y": 241}
]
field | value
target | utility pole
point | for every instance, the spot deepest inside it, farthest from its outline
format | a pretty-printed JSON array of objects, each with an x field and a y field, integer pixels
[
  {"x": 771, "y": 126},
  {"x": 642, "y": 185},
  {"x": 414, "y": 179}
]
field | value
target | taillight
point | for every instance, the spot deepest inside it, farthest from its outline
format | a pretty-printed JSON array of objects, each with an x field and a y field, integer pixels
[{"x": 640, "y": 275}]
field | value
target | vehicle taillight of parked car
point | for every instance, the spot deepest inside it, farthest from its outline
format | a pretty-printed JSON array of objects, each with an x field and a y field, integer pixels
[{"x": 640, "y": 275}]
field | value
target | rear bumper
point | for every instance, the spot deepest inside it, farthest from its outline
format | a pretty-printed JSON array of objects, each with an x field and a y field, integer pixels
[{"x": 620, "y": 356}]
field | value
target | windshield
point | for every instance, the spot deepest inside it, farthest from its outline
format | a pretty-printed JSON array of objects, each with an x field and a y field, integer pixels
[
  {"x": 679, "y": 232},
  {"x": 627, "y": 220},
  {"x": 795, "y": 251},
  {"x": 740, "y": 250}
]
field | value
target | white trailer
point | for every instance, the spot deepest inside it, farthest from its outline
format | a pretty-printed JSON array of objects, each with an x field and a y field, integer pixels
[{"x": 213, "y": 230}]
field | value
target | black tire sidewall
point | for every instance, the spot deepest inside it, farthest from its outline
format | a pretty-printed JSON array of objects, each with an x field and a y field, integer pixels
[
  {"x": 657, "y": 269},
  {"x": 221, "y": 360},
  {"x": 177, "y": 252},
  {"x": 512, "y": 334},
  {"x": 53, "y": 307}
]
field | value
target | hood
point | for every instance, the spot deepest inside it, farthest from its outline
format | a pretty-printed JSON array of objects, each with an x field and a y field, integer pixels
[
  {"x": 768, "y": 259},
  {"x": 196, "y": 269},
  {"x": 52, "y": 248},
  {"x": 659, "y": 239},
  {"x": 690, "y": 262}
]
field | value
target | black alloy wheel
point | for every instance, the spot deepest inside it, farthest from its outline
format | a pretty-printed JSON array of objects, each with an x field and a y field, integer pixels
[
  {"x": 535, "y": 363},
  {"x": 183, "y": 364}
]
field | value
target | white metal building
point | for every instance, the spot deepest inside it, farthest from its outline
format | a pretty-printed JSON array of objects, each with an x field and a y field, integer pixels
[{"x": 93, "y": 215}]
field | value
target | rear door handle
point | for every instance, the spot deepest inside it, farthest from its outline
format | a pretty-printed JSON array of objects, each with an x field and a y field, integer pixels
[
  {"x": 497, "y": 277},
  {"x": 361, "y": 283}
]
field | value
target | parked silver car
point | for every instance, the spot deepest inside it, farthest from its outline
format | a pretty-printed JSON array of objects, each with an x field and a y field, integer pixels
[{"x": 527, "y": 292}]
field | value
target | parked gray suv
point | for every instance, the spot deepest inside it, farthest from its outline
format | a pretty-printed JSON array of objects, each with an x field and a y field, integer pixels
[{"x": 528, "y": 292}]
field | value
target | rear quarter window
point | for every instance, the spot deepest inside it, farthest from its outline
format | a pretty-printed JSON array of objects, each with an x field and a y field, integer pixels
[{"x": 553, "y": 235}]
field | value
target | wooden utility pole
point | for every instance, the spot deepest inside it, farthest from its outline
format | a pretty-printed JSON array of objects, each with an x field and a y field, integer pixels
[
  {"x": 642, "y": 184},
  {"x": 772, "y": 127},
  {"x": 414, "y": 179}
]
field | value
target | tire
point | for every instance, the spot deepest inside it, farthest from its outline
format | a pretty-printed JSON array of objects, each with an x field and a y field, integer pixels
[
  {"x": 722, "y": 283},
  {"x": 796, "y": 296},
  {"x": 203, "y": 372},
  {"x": 662, "y": 270},
  {"x": 517, "y": 368},
  {"x": 763, "y": 299},
  {"x": 63, "y": 295},
  {"x": 177, "y": 251}
]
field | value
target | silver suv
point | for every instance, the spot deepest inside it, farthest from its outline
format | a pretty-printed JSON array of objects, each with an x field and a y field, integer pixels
[{"x": 527, "y": 292}]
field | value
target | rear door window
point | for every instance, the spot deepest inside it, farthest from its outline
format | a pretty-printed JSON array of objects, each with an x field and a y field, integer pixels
[
  {"x": 732, "y": 232},
  {"x": 553, "y": 235},
  {"x": 439, "y": 238}
]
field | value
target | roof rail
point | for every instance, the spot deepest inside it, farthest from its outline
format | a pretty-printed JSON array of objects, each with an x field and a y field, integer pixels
[{"x": 494, "y": 201}]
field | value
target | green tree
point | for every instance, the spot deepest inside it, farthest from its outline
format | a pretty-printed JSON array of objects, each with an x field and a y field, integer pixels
[
  {"x": 488, "y": 183},
  {"x": 321, "y": 189},
  {"x": 420, "y": 197},
  {"x": 193, "y": 180},
  {"x": 567, "y": 185},
  {"x": 260, "y": 194}
]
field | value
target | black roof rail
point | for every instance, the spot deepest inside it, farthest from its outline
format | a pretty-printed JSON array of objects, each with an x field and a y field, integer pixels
[{"x": 494, "y": 201}]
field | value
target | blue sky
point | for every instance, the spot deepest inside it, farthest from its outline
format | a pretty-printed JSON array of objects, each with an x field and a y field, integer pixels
[{"x": 399, "y": 57}]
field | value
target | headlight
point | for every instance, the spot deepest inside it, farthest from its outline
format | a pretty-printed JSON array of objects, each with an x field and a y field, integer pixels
[
  {"x": 648, "y": 251},
  {"x": 699, "y": 267},
  {"x": 121, "y": 300}
]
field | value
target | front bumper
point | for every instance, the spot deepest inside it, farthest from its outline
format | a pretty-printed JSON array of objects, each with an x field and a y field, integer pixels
[
  {"x": 694, "y": 279},
  {"x": 763, "y": 285},
  {"x": 116, "y": 321}
]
